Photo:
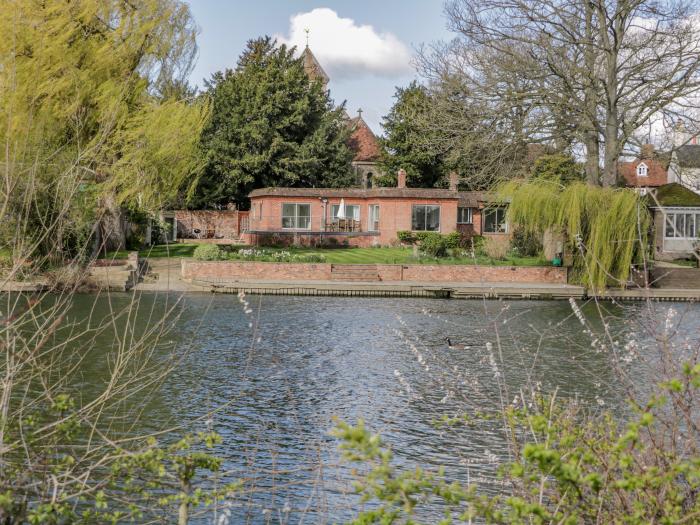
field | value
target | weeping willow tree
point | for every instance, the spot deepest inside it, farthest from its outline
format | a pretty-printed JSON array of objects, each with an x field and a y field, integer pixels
[
  {"x": 161, "y": 154},
  {"x": 85, "y": 110},
  {"x": 605, "y": 228}
]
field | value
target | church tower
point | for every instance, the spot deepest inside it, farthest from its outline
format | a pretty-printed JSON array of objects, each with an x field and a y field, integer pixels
[
  {"x": 313, "y": 69},
  {"x": 365, "y": 146},
  {"x": 362, "y": 141}
]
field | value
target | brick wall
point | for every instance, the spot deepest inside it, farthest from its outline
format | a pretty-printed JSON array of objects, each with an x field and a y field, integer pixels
[
  {"x": 213, "y": 224},
  {"x": 394, "y": 215},
  {"x": 476, "y": 274},
  {"x": 230, "y": 270}
]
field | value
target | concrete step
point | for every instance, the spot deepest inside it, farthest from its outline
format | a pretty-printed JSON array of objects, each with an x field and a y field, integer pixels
[
  {"x": 355, "y": 278},
  {"x": 354, "y": 272},
  {"x": 115, "y": 278},
  {"x": 352, "y": 267}
]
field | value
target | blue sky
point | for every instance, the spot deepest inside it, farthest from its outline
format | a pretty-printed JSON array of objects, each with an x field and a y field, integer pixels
[{"x": 365, "y": 46}]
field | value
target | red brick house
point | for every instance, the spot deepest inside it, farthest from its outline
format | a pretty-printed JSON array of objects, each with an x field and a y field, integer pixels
[
  {"x": 372, "y": 216},
  {"x": 649, "y": 170}
]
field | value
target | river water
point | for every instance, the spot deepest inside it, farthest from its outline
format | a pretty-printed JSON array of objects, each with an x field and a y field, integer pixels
[{"x": 270, "y": 374}]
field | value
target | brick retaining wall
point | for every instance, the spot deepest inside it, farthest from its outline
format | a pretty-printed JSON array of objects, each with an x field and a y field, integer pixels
[
  {"x": 230, "y": 270},
  {"x": 236, "y": 270}
]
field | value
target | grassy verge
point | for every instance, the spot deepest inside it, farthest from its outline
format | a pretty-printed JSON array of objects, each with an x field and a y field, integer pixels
[{"x": 382, "y": 255}]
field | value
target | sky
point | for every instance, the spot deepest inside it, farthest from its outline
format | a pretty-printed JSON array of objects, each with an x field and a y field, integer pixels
[{"x": 365, "y": 46}]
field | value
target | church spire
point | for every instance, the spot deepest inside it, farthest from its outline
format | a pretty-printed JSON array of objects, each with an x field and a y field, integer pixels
[{"x": 313, "y": 68}]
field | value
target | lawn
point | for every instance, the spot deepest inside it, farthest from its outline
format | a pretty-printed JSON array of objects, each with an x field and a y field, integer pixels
[
  {"x": 384, "y": 255},
  {"x": 405, "y": 256}
]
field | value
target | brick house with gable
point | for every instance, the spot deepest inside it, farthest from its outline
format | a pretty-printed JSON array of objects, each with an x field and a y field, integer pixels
[{"x": 649, "y": 170}]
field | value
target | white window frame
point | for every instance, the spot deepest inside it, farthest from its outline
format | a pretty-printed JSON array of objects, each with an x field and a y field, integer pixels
[
  {"x": 334, "y": 214},
  {"x": 296, "y": 215},
  {"x": 372, "y": 220},
  {"x": 427, "y": 206},
  {"x": 495, "y": 209},
  {"x": 470, "y": 213},
  {"x": 642, "y": 170},
  {"x": 671, "y": 224}
]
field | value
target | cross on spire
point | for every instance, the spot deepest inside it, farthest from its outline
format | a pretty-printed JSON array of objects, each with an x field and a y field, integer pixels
[
  {"x": 307, "y": 31},
  {"x": 359, "y": 112}
]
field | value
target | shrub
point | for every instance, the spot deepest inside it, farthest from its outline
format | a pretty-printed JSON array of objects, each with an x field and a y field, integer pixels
[
  {"x": 496, "y": 247},
  {"x": 526, "y": 244},
  {"x": 434, "y": 244},
  {"x": 331, "y": 242},
  {"x": 476, "y": 245},
  {"x": 312, "y": 258},
  {"x": 255, "y": 254},
  {"x": 453, "y": 240},
  {"x": 208, "y": 252},
  {"x": 406, "y": 237}
]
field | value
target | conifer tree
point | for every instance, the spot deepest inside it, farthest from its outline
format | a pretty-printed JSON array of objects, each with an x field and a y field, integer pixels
[
  {"x": 270, "y": 126},
  {"x": 406, "y": 144}
]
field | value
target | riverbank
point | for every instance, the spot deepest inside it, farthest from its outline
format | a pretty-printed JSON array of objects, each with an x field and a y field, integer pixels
[{"x": 465, "y": 282}]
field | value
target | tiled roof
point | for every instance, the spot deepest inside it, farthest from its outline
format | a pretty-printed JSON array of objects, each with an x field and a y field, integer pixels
[
  {"x": 688, "y": 156},
  {"x": 466, "y": 198},
  {"x": 363, "y": 142},
  {"x": 657, "y": 174}
]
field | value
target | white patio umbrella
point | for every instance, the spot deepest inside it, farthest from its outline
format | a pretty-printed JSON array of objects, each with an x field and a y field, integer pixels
[{"x": 341, "y": 210}]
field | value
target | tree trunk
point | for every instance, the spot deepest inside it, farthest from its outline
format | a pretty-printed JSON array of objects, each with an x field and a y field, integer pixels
[
  {"x": 591, "y": 136},
  {"x": 592, "y": 159},
  {"x": 184, "y": 510},
  {"x": 610, "y": 44},
  {"x": 611, "y": 153}
]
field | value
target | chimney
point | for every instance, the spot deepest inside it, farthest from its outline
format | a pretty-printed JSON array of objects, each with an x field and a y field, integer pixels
[
  {"x": 401, "y": 178},
  {"x": 647, "y": 151},
  {"x": 681, "y": 136},
  {"x": 454, "y": 181}
]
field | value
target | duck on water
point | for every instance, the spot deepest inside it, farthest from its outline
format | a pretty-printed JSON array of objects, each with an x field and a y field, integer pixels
[{"x": 455, "y": 346}]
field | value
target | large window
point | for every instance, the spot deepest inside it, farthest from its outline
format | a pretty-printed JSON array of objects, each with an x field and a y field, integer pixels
[
  {"x": 464, "y": 216},
  {"x": 296, "y": 216},
  {"x": 352, "y": 211},
  {"x": 495, "y": 220},
  {"x": 681, "y": 225},
  {"x": 373, "y": 225},
  {"x": 426, "y": 218}
]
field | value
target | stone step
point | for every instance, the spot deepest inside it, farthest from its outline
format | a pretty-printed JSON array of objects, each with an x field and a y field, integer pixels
[
  {"x": 354, "y": 272},
  {"x": 360, "y": 278},
  {"x": 115, "y": 278},
  {"x": 354, "y": 267}
]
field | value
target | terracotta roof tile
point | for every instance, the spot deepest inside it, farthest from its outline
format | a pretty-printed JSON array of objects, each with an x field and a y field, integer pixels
[
  {"x": 466, "y": 198},
  {"x": 657, "y": 174},
  {"x": 363, "y": 142}
]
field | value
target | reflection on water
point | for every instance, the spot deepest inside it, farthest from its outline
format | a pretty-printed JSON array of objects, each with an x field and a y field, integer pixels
[{"x": 275, "y": 378}]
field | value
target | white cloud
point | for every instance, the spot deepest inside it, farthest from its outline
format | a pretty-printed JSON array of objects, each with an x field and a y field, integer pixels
[{"x": 346, "y": 49}]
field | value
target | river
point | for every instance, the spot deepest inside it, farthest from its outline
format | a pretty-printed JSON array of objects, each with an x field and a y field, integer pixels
[{"x": 270, "y": 374}]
